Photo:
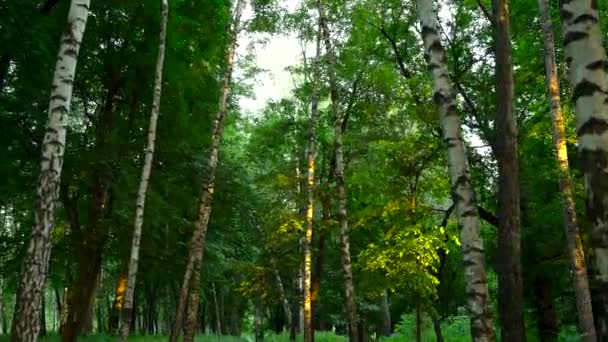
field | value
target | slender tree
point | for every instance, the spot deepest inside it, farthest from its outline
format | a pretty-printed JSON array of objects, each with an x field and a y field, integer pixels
[
  {"x": 145, "y": 174},
  {"x": 349, "y": 288},
  {"x": 26, "y": 321},
  {"x": 189, "y": 294},
  {"x": 574, "y": 244},
  {"x": 279, "y": 280},
  {"x": 510, "y": 285},
  {"x": 586, "y": 59},
  {"x": 310, "y": 196},
  {"x": 476, "y": 285}
]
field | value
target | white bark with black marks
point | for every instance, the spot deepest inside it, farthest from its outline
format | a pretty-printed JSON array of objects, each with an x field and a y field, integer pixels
[
  {"x": 189, "y": 294},
  {"x": 349, "y": 288},
  {"x": 476, "y": 285},
  {"x": 145, "y": 174},
  {"x": 26, "y": 321},
  {"x": 588, "y": 76}
]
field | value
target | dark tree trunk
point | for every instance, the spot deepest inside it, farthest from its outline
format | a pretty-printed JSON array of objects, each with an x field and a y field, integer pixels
[
  {"x": 83, "y": 294},
  {"x": 386, "y": 328},
  {"x": 418, "y": 322},
  {"x": 437, "y": 329},
  {"x": 258, "y": 321},
  {"x": 218, "y": 316},
  {"x": 546, "y": 313},
  {"x": 2, "y": 309},
  {"x": 5, "y": 62},
  {"x": 93, "y": 239},
  {"x": 510, "y": 286},
  {"x": 43, "y": 317}
]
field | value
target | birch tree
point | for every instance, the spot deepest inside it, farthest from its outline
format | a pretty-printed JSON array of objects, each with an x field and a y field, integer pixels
[
  {"x": 349, "y": 288},
  {"x": 476, "y": 284},
  {"x": 145, "y": 175},
  {"x": 26, "y": 320},
  {"x": 586, "y": 59},
  {"x": 189, "y": 294},
  {"x": 310, "y": 199}
]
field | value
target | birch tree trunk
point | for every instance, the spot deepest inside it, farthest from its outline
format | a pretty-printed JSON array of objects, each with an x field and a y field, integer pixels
[
  {"x": 349, "y": 288},
  {"x": 476, "y": 286},
  {"x": 310, "y": 199},
  {"x": 26, "y": 321},
  {"x": 191, "y": 284},
  {"x": 510, "y": 284},
  {"x": 586, "y": 59},
  {"x": 574, "y": 244},
  {"x": 145, "y": 174}
]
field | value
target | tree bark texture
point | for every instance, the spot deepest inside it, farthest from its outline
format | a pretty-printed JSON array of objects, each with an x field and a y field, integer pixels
[
  {"x": 349, "y": 288},
  {"x": 26, "y": 321},
  {"x": 476, "y": 286},
  {"x": 510, "y": 284},
  {"x": 545, "y": 310},
  {"x": 574, "y": 244},
  {"x": 145, "y": 174},
  {"x": 189, "y": 294},
  {"x": 310, "y": 191},
  {"x": 586, "y": 59}
]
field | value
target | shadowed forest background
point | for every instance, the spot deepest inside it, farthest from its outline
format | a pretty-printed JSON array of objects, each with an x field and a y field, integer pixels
[{"x": 432, "y": 171}]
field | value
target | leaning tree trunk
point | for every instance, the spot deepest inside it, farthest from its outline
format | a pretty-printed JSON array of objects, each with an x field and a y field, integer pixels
[
  {"x": 586, "y": 59},
  {"x": 189, "y": 294},
  {"x": 26, "y": 321},
  {"x": 574, "y": 244},
  {"x": 510, "y": 284},
  {"x": 145, "y": 174},
  {"x": 478, "y": 298},
  {"x": 310, "y": 193},
  {"x": 349, "y": 288}
]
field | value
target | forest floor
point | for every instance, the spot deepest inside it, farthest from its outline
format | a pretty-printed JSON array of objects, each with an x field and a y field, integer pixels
[{"x": 568, "y": 335}]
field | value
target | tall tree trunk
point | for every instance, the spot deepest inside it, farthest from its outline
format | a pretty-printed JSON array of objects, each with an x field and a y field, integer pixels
[
  {"x": 218, "y": 316},
  {"x": 418, "y": 321},
  {"x": 2, "y": 308},
  {"x": 92, "y": 241},
  {"x": 349, "y": 288},
  {"x": 145, "y": 174},
  {"x": 545, "y": 310},
  {"x": 586, "y": 59},
  {"x": 26, "y": 321},
  {"x": 476, "y": 286},
  {"x": 574, "y": 244},
  {"x": 386, "y": 327},
  {"x": 191, "y": 284},
  {"x": 510, "y": 284},
  {"x": 90, "y": 254},
  {"x": 310, "y": 190},
  {"x": 436, "y": 323},
  {"x": 5, "y": 63},
  {"x": 258, "y": 320}
]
